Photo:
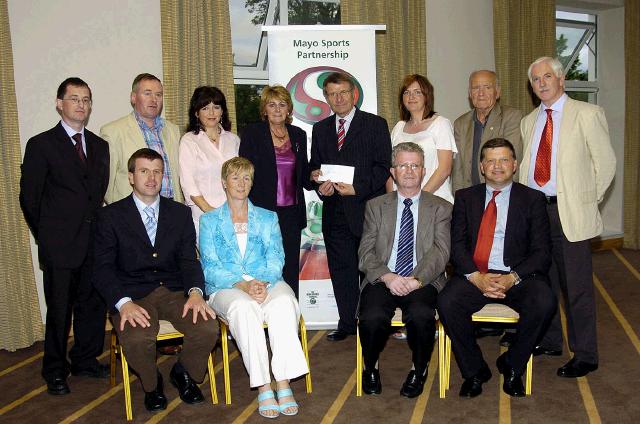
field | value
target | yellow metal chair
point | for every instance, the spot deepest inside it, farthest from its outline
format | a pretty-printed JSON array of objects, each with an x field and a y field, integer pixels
[
  {"x": 396, "y": 321},
  {"x": 492, "y": 312},
  {"x": 166, "y": 332},
  {"x": 224, "y": 332}
]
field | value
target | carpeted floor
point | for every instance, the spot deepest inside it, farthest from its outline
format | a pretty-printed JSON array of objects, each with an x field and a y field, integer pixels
[{"x": 607, "y": 395}]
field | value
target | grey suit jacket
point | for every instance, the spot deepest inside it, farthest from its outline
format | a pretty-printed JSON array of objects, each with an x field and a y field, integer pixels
[
  {"x": 503, "y": 122},
  {"x": 433, "y": 238}
]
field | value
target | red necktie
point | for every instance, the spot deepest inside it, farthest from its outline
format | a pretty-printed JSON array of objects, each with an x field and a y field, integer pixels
[
  {"x": 78, "y": 139},
  {"x": 341, "y": 133},
  {"x": 542, "y": 172},
  {"x": 485, "y": 235}
]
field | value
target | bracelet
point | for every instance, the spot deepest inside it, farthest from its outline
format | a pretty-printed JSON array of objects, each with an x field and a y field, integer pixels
[{"x": 516, "y": 277}]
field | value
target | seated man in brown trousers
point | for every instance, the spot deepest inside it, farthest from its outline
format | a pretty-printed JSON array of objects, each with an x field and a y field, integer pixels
[{"x": 147, "y": 270}]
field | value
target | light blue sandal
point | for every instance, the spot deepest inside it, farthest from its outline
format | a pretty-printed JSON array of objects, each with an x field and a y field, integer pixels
[
  {"x": 261, "y": 409},
  {"x": 284, "y": 393}
]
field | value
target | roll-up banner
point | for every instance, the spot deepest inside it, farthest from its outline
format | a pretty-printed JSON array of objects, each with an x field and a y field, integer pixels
[{"x": 300, "y": 58}]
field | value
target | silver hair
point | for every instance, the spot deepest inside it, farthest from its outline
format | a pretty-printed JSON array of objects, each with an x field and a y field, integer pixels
[
  {"x": 477, "y": 71},
  {"x": 555, "y": 64},
  {"x": 407, "y": 146}
]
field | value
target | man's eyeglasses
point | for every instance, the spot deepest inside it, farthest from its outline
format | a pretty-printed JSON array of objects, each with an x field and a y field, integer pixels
[
  {"x": 78, "y": 101},
  {"x": 338, "y": 94},
  {"x": 407, "y": 166}
]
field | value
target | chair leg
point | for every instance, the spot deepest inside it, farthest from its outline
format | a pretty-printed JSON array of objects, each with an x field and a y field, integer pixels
[
  {"x": 529, "y": 377},
  {"x": 305, "y": 349},
  {"x": 126, "y": 384},
  {"x": 225, "y": 362},
  {"x": 112, "y": 358},
  {"x": 447, "y": 356},
  {"x": 212, "y": 380},
  {"x": 358, "y": 363},
  {"x": 441, "y": 360}
]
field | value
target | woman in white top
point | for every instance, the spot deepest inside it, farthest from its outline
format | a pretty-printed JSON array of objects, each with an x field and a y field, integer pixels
[
  {"x": 422, "y": 125},
  {"x": 207, "y": 144}
]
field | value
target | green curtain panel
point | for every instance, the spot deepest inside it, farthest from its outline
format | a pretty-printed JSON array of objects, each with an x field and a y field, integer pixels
[
  {"x": 196, "y": 50},
  {"x": 400, "y": 50},
  {"x": 20, "y": 319}
]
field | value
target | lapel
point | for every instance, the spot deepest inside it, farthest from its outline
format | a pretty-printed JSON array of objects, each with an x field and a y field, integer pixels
[
  {"x": 228, "y": 233},
  {"x": 135, "y": 132},
  {"x": 356, "y": 125},
  {"x": 165, "y": 223},
  {"x": 331, "y": 137},
  {"x": 477, "y": 209},
  {"x": 466, "y": 142},
  {"x": 388, "y": 224},
  {"x": 569, "y": 117},
  {"x": 134, "y": 221},
  {"x": 253, "y": 228},
  {"x": 69, "y": 153},
  {"x": 494, "y": 122},
  {"x": 512, "y": 223},
  {"x": 425, "y": 223}
]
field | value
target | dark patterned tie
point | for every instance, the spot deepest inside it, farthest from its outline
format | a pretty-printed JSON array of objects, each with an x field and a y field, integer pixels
[
  {"x": 77, "y": 137},
  {"x": 404, "y": 260}
]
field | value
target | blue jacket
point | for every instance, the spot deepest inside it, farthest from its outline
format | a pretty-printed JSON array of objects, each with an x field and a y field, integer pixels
[{"x": 220, "y": 255}]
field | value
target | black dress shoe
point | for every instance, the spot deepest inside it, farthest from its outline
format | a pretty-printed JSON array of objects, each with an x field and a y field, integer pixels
[
  {"x": 507, "y": 339},
  {"x": 58, "y": 386},
  {"x": 337, "y": 335},
  {"x": 472, "y": 387},
  {"x": 481, "y": 332},
  {"x": 576, "y": 368},
  {"x": 155, "y": 400},
  {"x": 187, "y": 388},
  {"x": 512, "y": 384},
  {"x": 540, "y": 350},
  {"x": 371, "y": 383},
  {"x": 95, "y": 371},
  {"x": 413, "y": 385}
]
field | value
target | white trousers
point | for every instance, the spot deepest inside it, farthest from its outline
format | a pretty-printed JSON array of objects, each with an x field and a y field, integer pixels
[{"x": 280, "y": 311}]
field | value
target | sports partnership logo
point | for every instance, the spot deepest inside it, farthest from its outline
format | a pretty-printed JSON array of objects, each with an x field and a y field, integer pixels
[{"x": 305, "y": 107}]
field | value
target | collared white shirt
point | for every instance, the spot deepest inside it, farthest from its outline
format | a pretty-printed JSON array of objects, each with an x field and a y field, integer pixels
[
  {"x": 71, "y": 132},
  {"x": 496, "y": 257},
  {"x": 414, "y": 211},
  {"x": 347, "y": 121},
  {"x": 550, "y": 188}
]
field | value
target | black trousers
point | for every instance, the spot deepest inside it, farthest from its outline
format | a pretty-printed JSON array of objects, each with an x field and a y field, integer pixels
[
  {"x": 377, "y": 306},
  {"x": 291, "y": 235},
  {"x": 572, "y": 275},
  {"x": 69, "y": 292},
  {"x": 342, "y": 256},
  {"x": 532, "y": 299}
]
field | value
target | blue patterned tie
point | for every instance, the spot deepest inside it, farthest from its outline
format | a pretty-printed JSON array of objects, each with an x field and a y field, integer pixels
[
  {"x": 151, "y": 224},
  {"x": 404, "y": 260}
]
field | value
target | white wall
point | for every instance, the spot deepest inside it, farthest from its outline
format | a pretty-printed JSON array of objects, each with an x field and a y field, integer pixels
[
  {"x": 106, "y": 43},
  {"x": 459, "y": 41}
]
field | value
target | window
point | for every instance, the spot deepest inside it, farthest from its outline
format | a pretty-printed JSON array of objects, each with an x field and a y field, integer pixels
[
  {"x": 576, "y": 47},
  {"x": 249, "y": 43}
]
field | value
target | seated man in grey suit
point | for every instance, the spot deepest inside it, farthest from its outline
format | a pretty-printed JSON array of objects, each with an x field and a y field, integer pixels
[
  {"x": 402, "y": 270},
  {"x": 147, "y": 270}
]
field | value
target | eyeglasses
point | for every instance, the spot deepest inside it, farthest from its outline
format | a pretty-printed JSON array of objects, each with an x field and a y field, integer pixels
[
  {"x": 407, "y": 166},
  {"x": 339, "y": 94},
  {"x": 78, "y": 101},
  {"x": 414, "y": 93}
]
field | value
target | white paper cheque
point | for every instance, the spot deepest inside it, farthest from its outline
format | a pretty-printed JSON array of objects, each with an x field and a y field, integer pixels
[{"x": 337, "y": 173}]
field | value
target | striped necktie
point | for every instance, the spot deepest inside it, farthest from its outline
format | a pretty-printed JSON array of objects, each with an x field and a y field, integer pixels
[
  {"x": 341, "y": 133},
  {"x": 151, "y": 224},
  {"x": 404, "y": 260}
]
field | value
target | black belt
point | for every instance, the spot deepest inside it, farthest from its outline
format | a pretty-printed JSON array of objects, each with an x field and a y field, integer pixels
[{"x": 551, "y": 200}]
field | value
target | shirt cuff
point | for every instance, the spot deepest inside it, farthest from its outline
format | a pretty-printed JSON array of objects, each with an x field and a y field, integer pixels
[
  {"x": 122, "y": 302},
  {"x": 192, "y": 289}
]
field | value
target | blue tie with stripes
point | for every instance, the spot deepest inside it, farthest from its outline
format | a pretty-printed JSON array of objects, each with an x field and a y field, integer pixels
[
  {"x": 151, "y": 224},
  {"x": 404, "y": 260}
]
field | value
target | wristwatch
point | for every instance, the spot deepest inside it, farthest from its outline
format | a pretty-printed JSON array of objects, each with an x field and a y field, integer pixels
[{"x": 516, "y": 277}]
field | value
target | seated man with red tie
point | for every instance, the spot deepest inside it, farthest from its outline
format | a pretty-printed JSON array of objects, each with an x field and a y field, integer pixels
[{"x": 500, "y": 249}]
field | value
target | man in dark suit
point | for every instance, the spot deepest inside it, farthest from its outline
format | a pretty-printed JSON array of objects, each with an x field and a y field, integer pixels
[
  {"x": 361, "y": 140},
  {"x": 65, "y": 173},
  {"x": 500, "y": 249},
  {"x": 147, "y": 270},
  {"x": 402, "y": 270}
]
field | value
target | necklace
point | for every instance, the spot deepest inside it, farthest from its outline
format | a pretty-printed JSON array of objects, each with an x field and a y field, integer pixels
[
  {"x": 281, "y": 138},
  {"x": 214, "y": 140}
]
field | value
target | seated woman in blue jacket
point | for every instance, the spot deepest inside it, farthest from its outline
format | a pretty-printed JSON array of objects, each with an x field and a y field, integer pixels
[{"x": 242, "y": 256}]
